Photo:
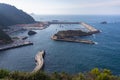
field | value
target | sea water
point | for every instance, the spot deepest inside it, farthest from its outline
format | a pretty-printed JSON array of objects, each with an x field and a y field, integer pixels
[{"x": 67, "y": 56}]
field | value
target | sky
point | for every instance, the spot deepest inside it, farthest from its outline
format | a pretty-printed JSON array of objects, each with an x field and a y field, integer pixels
[{"x": 67, "y": 7}]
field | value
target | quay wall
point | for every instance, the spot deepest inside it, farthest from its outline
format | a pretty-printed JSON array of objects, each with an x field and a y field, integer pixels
[{"x": 64, "y": 22}]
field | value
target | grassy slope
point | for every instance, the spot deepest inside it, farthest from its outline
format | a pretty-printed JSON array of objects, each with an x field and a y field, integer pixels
[{"x": 94, "y": 74}]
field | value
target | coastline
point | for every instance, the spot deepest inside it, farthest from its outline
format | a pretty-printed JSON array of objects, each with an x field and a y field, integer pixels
[
  {"x": 15, "y": 44},
  {"x": 24, "y": 27},
  {"x": 21, "y": 27}
]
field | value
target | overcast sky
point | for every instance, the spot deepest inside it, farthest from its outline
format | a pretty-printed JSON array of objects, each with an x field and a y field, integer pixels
[{"x": 67, "y": 6}]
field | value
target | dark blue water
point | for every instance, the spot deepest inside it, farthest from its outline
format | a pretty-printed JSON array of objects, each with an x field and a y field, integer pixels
[{"x": 65, "y": 56}]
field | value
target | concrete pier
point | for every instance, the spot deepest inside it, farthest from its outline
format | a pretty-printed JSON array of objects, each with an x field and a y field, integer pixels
[
  {"x": 89, "y": 27},
  {"x": 64, "y": 22},
  {"x": 39, "y": 58}
]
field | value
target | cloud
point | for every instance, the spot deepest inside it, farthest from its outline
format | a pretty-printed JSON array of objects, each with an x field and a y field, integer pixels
[
  {"x": 98, "y": 4},
  {"x": 67, "y": 6}
]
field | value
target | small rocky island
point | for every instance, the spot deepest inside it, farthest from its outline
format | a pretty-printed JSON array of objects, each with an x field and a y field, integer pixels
[{"x": 32, "y": 32}]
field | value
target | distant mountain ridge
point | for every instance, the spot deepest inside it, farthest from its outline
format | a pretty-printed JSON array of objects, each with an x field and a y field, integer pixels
[{"x": 10, "y": 15}]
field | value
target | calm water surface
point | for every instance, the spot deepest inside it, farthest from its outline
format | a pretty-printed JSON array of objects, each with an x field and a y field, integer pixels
[{"x": 65, "y": 56}]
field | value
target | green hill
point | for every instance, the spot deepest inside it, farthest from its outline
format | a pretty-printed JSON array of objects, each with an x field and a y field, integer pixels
[{"x": 10, "y": 15}]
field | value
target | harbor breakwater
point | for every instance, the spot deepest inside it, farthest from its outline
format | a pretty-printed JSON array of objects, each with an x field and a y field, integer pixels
[
  {"x": 39, "y": 58},
  {"x": 69, "y": 35},
  {"x": 15, "y": 45}
]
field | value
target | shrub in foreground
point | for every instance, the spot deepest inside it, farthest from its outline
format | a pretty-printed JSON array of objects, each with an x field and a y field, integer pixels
[
  {"x": 4, "y": 73},
  {"x": 94, "y": 74}
]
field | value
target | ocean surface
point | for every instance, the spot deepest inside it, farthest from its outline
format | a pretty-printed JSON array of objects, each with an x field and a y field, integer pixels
[{"x": 65, "y": 56}]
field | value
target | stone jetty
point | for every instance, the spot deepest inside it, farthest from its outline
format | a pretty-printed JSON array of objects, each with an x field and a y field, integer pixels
[
  {"x": 39, "y": 58},
  {"x": 90, "y": 28},
  {"x": 15, "y": 44}
]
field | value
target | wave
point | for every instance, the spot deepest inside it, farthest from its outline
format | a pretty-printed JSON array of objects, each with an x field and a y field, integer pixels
[{"x": 96, "y": 43}]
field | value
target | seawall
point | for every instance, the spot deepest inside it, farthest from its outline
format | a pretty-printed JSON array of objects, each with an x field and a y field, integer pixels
[
  {"x": 15, "y": 45},
  {"x": 89, "y": 27},
  {"x": 39, "y": 58}
]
